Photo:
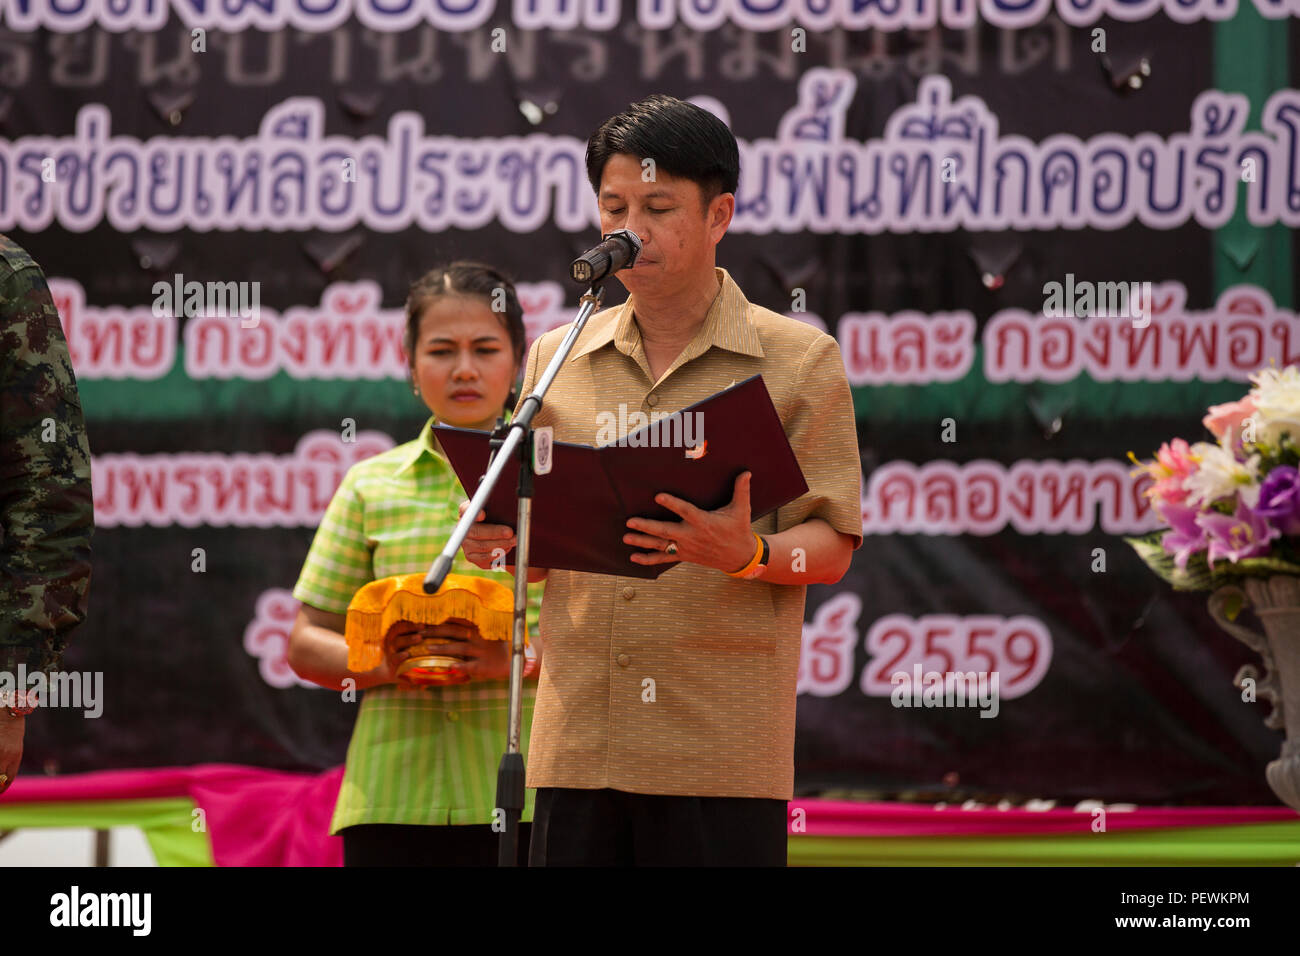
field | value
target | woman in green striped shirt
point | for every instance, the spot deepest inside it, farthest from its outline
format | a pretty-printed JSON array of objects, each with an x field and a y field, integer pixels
[{"x": 420, "y": 780}]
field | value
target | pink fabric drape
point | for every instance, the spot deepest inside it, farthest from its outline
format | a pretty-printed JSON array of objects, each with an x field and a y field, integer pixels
[
  {"x": 254, "y": 817},
  {"x": 849, "y": 819}
]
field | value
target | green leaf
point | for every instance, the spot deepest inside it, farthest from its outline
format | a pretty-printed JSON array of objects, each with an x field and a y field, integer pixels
[
  {"x": 1195, "y": 577},
  {"x": 1198, "y": 576},
  {"x": 1256, "y": 567},
  {"x": 1232, "y": 606}
]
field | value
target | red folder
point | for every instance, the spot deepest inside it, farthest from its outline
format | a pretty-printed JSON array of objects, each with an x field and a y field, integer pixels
[{"x": 580, "y": 509}]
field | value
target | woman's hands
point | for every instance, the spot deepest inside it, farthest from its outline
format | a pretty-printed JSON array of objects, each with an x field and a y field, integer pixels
[
  {"x": 318, "y": 652},
  {"x": 482, "y": 659}
]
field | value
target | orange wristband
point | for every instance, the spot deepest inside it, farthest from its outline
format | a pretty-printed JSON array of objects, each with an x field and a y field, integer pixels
[{"x": 753, "y": 562}]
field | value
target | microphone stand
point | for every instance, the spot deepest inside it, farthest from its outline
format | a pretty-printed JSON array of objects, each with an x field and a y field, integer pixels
[{"x": 508, "y": 439}]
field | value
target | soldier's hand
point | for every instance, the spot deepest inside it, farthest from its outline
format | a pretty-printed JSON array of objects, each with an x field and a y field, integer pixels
[{"x": 11, "y": 748}]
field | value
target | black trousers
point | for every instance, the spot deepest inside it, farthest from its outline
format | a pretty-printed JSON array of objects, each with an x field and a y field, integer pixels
[
  {"x": 616, "y": 828},
  {"x": 395, "y": 844}
]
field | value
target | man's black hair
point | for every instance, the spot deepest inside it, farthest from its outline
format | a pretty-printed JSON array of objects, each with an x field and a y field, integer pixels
[{"x": 682, "y": 139}]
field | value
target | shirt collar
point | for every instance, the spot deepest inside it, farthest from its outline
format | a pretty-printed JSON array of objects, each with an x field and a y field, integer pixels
[
  {"x": 427, "y": 444},
  {"x": 726, "y": 325}
]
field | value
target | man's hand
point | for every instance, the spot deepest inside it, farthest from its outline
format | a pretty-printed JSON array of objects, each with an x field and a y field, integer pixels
[
  {"x": 719, "y": 539},
  {"x": 486, "y": 543},
  {"x": 11, "y": 747},
  {"x": 486, "y": 546}
]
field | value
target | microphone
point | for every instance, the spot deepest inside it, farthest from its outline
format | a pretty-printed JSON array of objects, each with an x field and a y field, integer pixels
[{"x": 618, "y": 250}]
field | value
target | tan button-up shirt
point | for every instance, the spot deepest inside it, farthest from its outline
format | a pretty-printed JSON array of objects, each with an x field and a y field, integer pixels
[{"x": 686, "y": 684}]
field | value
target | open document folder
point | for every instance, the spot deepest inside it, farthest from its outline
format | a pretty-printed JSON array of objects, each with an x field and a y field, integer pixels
[{"x": 580, "y": 509}]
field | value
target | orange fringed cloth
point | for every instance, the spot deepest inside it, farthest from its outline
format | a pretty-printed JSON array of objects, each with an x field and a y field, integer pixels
[{"x": 463, "y": 598}]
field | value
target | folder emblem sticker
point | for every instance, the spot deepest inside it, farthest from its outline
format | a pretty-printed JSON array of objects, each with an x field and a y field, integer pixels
[{"x": 542, "y": 439}]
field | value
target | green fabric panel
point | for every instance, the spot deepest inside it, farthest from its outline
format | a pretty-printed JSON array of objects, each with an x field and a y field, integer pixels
[
  {"x": 1250, "y": 56},
  {"x": 975, "y": 400},
  {"x": 174, "y": 397},
  {"x": 1255, "y": 844},
  {"x": 167, "y": 824},
  {"x": 177, "y": 397}
]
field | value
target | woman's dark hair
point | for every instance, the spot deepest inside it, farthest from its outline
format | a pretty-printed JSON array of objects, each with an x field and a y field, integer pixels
[
  {"x": 683, "y": 139},
  {"x": 474, "y": 280}
]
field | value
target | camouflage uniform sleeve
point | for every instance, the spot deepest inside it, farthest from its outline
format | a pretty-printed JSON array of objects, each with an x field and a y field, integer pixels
[{"x": 46, "y": 507}]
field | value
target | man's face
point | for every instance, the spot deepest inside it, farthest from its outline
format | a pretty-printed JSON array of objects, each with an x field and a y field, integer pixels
[{"x": 677, "y": 231}]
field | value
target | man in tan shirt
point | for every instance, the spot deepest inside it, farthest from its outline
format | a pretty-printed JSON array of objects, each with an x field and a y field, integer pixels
[{"x": 664, "y": 724}]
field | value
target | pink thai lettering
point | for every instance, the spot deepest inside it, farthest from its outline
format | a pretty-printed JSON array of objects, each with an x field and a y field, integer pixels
[
  {"x": 826, "y": 661},
  {"x": 218, "y": 490},
  {"x": 985, "y": 497}
]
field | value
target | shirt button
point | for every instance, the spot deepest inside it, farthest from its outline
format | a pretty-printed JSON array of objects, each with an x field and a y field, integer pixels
[
  {"x": 453, "y": 716},
  {"x": 652, "y": 399},
  {"x": 623, "y": 660},
  {"x": 629, "y": 592}
]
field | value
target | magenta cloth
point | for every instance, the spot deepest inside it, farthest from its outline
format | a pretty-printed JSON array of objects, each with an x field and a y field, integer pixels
[
  {"x": 254, "y": 817},
  {"x": 842, "y": 818}
]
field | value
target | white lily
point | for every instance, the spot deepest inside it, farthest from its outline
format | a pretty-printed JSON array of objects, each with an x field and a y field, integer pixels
[
  {"x": 1220, "y": 475},
  {"x": 1277, "y": 403}
]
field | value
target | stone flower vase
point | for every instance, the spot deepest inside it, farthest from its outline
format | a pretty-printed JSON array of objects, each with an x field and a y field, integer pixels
[{"x": 1276, "y": 602}]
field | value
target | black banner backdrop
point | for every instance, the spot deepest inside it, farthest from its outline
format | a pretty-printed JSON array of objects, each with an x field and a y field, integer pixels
[{"x": 1122, "y": 690}]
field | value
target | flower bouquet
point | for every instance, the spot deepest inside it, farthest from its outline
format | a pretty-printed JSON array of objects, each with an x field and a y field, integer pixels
[
  {"x": 1233, "y": 506},
  {"x": 1233, "y": 515}
]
